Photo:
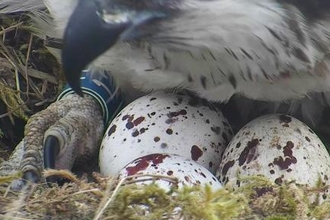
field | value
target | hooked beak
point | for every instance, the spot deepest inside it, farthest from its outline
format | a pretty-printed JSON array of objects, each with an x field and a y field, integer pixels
[{"x": 91, "y": 31}]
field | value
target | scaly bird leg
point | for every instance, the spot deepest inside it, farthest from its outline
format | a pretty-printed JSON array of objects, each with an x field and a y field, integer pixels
[{"x": 74, "y": 121}]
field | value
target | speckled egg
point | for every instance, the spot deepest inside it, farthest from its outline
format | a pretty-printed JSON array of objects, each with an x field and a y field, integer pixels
[
  {"x": 279, "y": 147},
  {"x": 187, "y": 171},
  {"x": 165, "y": 123}
]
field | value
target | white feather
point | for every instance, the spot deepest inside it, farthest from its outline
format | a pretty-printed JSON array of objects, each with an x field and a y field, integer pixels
[
  {"x": 60, "y": 11},
  {"x": 11, "y": 6},
  {"x": 233, "y": 24}
]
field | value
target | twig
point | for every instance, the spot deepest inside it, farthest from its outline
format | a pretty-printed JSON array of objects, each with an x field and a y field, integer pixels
[
  {"x": 121, "y": 183},
  {"x": 18, "y": 88},
  {"x": 8, "y": 29},
  {"x": 31, "y": 72},
  {"x": 20, "y": 69},
  {"x": 12, "y": 217},
  {"x": 115, "y": 192},
  {"x": 8, "y": 113},
  {"x": 87, "y": 191},
  {"x": 43, "y": 76},
  {"x": 26, "y": 63}
]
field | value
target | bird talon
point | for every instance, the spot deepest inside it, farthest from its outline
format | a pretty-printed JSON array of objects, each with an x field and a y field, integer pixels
[
  {"x": 30, "y": 176},
  {"x": 24, "y": 183},
  {"x": 51, "y": 150},
  {"x": 18, "y": 185}
]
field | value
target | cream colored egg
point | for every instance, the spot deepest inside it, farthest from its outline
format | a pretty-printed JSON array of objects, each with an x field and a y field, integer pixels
[
  {"x": 186, "y": 171},
  {"x": 165, "y": 123},
  {"x": 279, "y": 147}
]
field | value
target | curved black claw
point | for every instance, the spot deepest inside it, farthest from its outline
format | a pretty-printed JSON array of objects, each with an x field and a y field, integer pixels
[
  {"x": 30, "y": 176},
  {"x": 51, "y": 150}
]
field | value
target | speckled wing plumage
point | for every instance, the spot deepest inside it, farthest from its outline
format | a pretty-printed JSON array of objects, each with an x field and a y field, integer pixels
[
  {"x": 77, "y": 123},
  {"x": 274, "y": 51},
  {"x": 269, "y": 50}
]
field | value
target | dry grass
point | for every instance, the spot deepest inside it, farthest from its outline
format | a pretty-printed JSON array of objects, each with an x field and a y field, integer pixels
[
  {"x": 110, "y": 198},
  {"x": 28, "y": 72}
]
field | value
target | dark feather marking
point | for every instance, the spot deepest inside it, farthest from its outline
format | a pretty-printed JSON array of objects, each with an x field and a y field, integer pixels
[
  {"x": 204, "y": 58},
  {"x": 227, "y": 50},
  {"x": 223, "y": 73},
  {"x": 286, "y": 42},
  {"x": 211, "y": 54},
  {"x": 246, "y": 54},
  {"x": 232, "y": 81},
  {"x": 242, "y": 74},
  {"x": 287, "y": 51},
  {"x": 274, "y": 52},
  {"x": 214, "y": 82},
  {"x": 294, "y": 26},
  {"x": 175, "y": 42},
  {"x": 234, "y": 55},
  {"x": 297, "y": 52},
  {"x": 203, "y": 81},
  {"x": 153, "y": 69},
  {"x": 285, "y": 74},
  {"x": 256, "y": 55},
  {"x": 249, "y": 73},
  {"x": 230, "y": 52},
  {"x": 277, "y": 64},
  {"x": 166, "y": 61},
  {"x": 320, "y": 46},
  {"x": 190, "y": 79},
  {"x": 149, "y": 49},
  {"x": 264, "y": 73},
  {"x": 273, "y": 33}
]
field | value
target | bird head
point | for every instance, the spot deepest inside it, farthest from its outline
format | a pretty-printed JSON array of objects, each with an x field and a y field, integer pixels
[{"x": 97, "y": 25}]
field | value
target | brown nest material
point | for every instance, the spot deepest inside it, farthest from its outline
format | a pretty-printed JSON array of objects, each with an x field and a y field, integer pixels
[
  {"x": 29, "y": 76},
  {"x": 110, "y": 198}
]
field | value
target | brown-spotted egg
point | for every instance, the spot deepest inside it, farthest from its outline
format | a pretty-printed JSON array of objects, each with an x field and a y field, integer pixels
[
  {"x": 279, "y": 147},
  {"x": 165, "y": 123},
  {"x": 187, "y": 172}
]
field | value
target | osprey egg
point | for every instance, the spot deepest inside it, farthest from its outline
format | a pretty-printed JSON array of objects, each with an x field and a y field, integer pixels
[
  {"x": 279, "y": 147},
  {"x": 187, "y": 172},
  {"x": 165, "y": 123}
]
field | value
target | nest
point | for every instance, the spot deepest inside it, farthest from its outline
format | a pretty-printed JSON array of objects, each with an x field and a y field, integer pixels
[
  {"x": 111, "y": 198},
  {"x": 29, "y": 83},
  {"x": 30, "y": 76}
]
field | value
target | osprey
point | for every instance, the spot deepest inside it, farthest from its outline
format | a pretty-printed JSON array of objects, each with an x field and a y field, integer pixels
[
  {"x": 265, "y": 50},
  {"x": 271, "y": 50}
]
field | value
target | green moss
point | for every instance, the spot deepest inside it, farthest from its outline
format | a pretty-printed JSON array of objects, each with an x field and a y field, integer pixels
[
  {"x": 152, "y": 202},
  {"x": 13, "y": 102}
]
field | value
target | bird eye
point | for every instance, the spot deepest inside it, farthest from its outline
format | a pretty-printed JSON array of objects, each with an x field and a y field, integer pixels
[{"x": 114, "y": 17}]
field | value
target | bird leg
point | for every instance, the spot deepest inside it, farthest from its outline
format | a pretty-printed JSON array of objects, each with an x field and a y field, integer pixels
[{"x": 67, "y": 130}]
